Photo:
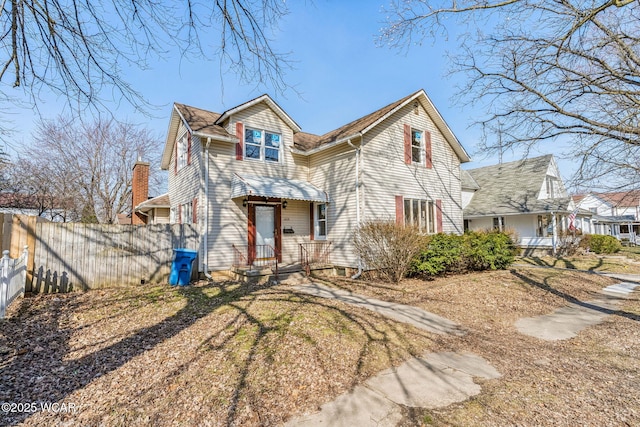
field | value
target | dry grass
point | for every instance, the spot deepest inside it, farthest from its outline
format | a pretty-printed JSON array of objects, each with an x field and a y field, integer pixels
[
  {"x": 624, "y": 262},
  {"x": 226, "y": 354},
  {"x": 209, "y": 354},
  {"x": 592, "y": 379}
]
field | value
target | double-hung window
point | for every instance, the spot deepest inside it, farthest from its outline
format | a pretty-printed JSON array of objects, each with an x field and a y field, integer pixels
[
  {"x": 262, "y": 145},
  {"x": 417, "y": 147},
  {"x": 186, "y": 213},
  {"x": 182, "y": 151},
  {"x": 320, "y": 221}
]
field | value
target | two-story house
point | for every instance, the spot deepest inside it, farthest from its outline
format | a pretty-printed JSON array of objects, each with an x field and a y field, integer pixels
[
  {"x": 259, "y": 188},
  {"x": 616, "y": 214},
  {"x": 526, "y": 196}
]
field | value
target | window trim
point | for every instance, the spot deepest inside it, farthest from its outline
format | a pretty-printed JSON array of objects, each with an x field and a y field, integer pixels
[
  {"x": 262, "y": 146},
  {"x": 426, "y": 215},
  {"x": 421, "y": 147},
  {"x": 317, "y": 221},
  {"x": 182, "y": 151}
]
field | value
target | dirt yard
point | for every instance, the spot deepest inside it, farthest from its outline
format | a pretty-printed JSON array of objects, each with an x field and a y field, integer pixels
[{"x": 227, "y": 354}]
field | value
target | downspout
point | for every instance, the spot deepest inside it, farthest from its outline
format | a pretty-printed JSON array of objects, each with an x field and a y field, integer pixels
[
  {"x": 357, "y": 149},
  {"x": 205, "y": 237}
]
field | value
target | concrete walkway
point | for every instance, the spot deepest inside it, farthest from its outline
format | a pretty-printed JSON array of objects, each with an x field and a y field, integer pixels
[
  {"x": 566, "y": 322},
  {"x": 439, "y": 379},
  {"x": 403, "y": 313},
  {"x": 433, "y": 381}
]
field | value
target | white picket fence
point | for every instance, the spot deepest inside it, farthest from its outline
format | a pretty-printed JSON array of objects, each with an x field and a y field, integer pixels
[{"x": 13, "y": 275}]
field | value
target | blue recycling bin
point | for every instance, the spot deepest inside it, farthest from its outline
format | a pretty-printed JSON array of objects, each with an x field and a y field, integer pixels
[{"x": 181, "y": 266}]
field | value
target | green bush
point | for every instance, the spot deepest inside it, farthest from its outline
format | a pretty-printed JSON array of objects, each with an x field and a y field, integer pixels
[
  {"x": 473, "y": 251},
  {"x": 600, "y": 243},
  {"x": 489, "y": 250},
  {"x": 443, "y": 253}
]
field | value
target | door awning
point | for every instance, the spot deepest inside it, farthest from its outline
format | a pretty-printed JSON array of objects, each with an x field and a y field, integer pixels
[{"x": 283, "y": 188}]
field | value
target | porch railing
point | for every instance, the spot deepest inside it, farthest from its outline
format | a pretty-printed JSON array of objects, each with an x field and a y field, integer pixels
[
  {"x": 311, "y": 253},
  {"x": 261, "y": 256}
]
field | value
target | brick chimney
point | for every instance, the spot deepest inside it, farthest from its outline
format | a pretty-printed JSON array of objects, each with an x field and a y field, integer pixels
[{"x": 139, "y": 190}]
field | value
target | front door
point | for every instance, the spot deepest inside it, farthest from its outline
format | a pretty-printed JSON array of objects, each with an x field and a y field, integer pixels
[
  {"x": 265, "y": 226},
  {"x": 264, "y": 236}
]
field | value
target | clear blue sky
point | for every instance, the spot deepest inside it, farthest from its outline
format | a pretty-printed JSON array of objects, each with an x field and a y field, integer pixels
[{"x": 340, "y": 75}]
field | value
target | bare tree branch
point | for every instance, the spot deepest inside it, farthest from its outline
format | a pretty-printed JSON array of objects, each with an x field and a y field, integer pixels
[{"x": 547, "y": 71}]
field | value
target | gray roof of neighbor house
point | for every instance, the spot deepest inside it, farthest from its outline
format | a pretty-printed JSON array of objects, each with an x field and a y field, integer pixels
[
  {"x": 161, "y": 201},
  {"x": 512, "y": 188},
  {"x": 468, "y": 183}
]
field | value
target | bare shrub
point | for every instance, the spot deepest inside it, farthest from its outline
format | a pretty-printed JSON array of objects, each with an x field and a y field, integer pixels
[{"x": 388, "y": 248}]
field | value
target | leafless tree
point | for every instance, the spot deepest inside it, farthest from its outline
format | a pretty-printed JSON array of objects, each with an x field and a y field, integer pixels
[
  {"x": 547, "y": 71},
  {"x": 78, "y": 49},
  {"x": 86, "y": 168},
  {"x": 40, "y": 187}
]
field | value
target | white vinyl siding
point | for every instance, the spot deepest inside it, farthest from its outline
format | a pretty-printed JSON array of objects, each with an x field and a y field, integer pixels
[
  {"x": 385, "y": 174},
  {"x": 188, "y": 183},
  {"x": 227, "y": 220},
  {"x": 333, "y": 170}
]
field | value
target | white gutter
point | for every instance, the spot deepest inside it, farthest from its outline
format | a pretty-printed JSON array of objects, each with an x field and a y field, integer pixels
[
  {"x": 221, "y": 138},
  {"x": 326, "y": 146},
  {"x": 205, "y": 265},
  {"x": 357, "y": 150}
]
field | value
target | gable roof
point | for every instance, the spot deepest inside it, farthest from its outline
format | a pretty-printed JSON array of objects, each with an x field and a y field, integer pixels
[
  {"x": 623, "y": 198},
  {"x": 309, "y": 144},
  {"x": 201, "y": 121},
  {"x": 513, "y": 188},
  {"x": 270, "y": 102},
  {"x": 208, "y": 124}
]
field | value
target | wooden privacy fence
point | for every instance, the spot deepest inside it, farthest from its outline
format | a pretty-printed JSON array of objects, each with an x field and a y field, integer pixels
[{"x": 87, "y": 256}]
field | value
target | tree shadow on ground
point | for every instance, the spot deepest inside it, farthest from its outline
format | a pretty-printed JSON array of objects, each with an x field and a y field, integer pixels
[
  {"x": 40, "y": 369},
  {"x": 545, "y": 286}
]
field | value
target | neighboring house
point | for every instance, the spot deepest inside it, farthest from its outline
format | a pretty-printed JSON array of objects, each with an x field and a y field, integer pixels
[
  {"x": 526, "y": 196},
  {"x": 32, "y": 205},
  {"x": 146, "y": 210},
  {"x": 259, "y": 187},
  {"x": 616, "y": 214},
  {"x": 156, "y": 209}
]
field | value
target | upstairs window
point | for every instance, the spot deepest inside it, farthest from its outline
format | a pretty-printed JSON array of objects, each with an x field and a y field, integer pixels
[
  {"x": 182, "y": 151},
  {"x": 262, "y": 145},
  {"x": 417, "y": 147}
]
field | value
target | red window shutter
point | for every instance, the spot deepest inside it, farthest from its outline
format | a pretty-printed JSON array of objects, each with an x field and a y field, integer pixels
[
  {"x": 407, "y": 144},
  {"x": 312, "y": 225},
  {"x": 240, "y": 144},
  {"x": 278, "y": 232},
  {"x": 399, "y": 210},
  {"x": 251, "y": 235},
  {"x": 188, "y": 148},
  {"x": 439, "y": 215},
  {"x": 427, "y": 150},
  {"x": 194, "y": 209}
]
